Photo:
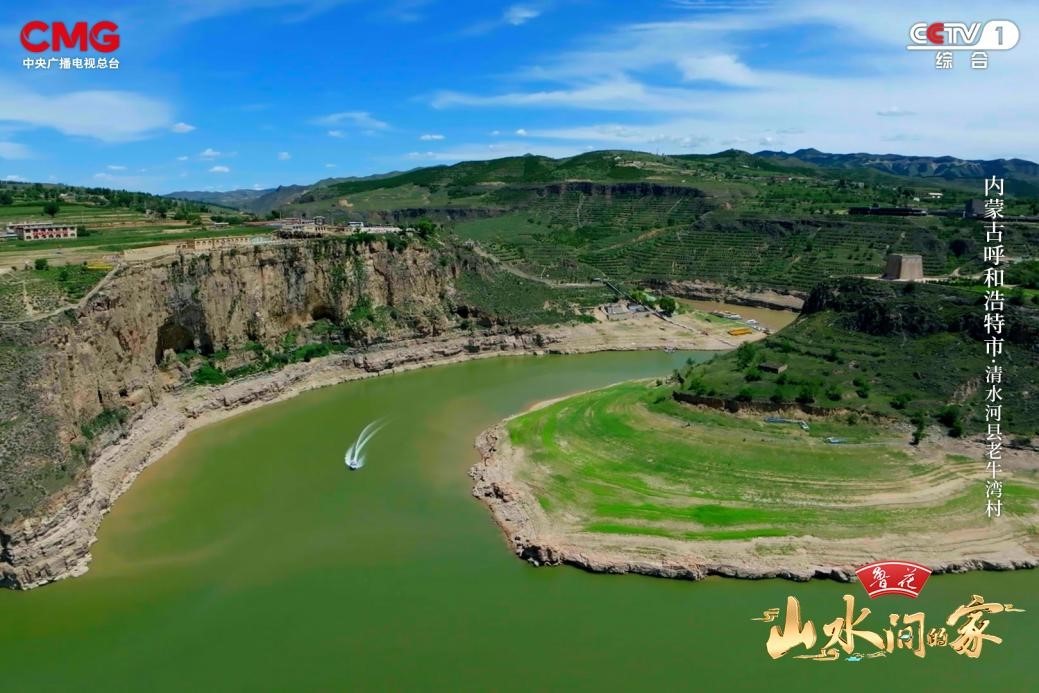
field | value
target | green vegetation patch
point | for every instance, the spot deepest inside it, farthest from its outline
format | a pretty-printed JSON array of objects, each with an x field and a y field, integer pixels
[
  {"x": 907, "y": 351},
  {"x": 630, "y": 460},
  {"x": 25, "y": 293},
  {"x": 490, "y": 296}
]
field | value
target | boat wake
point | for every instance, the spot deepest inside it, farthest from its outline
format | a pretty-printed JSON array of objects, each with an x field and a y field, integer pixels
[{"x": 354, "y": 458}]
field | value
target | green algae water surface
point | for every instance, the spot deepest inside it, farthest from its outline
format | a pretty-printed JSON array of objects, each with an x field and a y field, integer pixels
[{"x": 250, "y": 559}]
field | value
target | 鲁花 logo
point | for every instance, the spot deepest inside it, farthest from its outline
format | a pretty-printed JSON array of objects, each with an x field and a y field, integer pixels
[{"x": 893, "y": 577}]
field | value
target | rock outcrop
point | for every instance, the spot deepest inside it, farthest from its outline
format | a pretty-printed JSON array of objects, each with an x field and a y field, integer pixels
[{"x": 709, "y": 291}]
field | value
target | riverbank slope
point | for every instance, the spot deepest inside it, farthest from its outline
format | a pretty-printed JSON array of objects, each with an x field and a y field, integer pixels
[
  {"x": 55, "y": 542},
  {"x": 627, "y": 480}
]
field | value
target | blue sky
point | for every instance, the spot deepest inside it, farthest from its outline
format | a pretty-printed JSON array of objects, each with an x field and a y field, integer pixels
[{"x": 222, "y": 94}]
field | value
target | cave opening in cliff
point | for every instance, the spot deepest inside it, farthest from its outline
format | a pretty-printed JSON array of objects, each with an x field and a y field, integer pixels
[
  {"x": 173, "y": 335},
  {"x": 322, "y": 312}
]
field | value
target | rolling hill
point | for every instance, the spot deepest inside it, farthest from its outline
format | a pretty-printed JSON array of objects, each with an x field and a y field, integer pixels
[
  {"x": 771, "y": 220},
  {"x": 1022, "y": 177}
]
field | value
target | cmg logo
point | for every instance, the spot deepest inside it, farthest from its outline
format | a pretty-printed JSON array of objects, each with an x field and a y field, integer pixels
[{"x": 101, "y": 36}]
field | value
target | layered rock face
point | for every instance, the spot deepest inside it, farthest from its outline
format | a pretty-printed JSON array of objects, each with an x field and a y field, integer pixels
[
  {"x": 710, "y": 291},
  {"x": 73, "y": 384}
]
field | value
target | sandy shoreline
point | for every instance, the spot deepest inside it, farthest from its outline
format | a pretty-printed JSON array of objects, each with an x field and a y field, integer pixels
[
  {"x": 56, "y": 544},
  {"x": 538, "y": 539}
]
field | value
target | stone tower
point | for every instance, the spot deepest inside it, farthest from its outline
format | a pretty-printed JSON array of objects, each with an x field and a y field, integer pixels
[{"x": 904, "y": 267}]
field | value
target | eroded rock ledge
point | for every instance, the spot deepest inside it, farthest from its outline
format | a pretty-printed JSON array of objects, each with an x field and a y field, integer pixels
[{"x": 532, "y": 537}]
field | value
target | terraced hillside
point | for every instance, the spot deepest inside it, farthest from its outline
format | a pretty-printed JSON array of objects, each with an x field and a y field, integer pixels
[
  {"x": 730, "y": 217},
  {"x": 734, "y": 178},
  {"x": 33, "y": 292},
  {"x": 667, "y": 241}
]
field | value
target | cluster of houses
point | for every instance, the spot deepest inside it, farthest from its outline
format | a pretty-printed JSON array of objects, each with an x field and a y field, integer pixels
[
  {"x": 321, "y": 226},
  {"x": 37, "y": 231},
  {"x": 622, "y": 310},
  {"x": 223, "y": 242}
]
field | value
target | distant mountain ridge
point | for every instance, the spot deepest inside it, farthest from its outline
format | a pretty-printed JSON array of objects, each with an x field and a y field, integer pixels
[
  {"x": 1021, "y": 175},
  {"x": 265, "y": 199},
  {"x": 235, "y": 198}
]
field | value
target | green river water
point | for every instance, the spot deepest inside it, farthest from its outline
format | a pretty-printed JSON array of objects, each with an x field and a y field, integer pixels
[{"x": 251, "y": 559}]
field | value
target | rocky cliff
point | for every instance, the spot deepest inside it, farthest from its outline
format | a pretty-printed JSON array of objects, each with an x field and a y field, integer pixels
[
  {"x": 75, "y": 383},
  {"x": 711, "y": 291}
]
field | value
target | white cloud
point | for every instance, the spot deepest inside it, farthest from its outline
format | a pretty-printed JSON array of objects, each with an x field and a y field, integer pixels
[
  {"x": 14, "y": 178},
  {"x": 182, "y": 158},
  {"x": 115, "y": 167},
  {"x": 109, "y": 116},
  {"x": 361, "y": 119},
  {"x": 220, "y": 169},
  {"x": 514, "y": 15},
  {"x": 521, "y": 132},
  {"x": 495, "y": 133},
  {"x": 181, "y": 128},
  {"x": 336, "y": 133},
  {"x": 618, "y": 94},
  {"x": 288, "y": 11},
  {"x": 404, "y": 10},
  {"x": 520, "y": 14},
  {"x": 431, "y": 137},
  {"x": 725, "y": 69},
  {"x": 894, "y": 111},
  {"x": 13, "y": 150},
  {"x": 128, "y": 182},
  {"x": 330, "y": 165},
  {"x": 675, "y": 135},
  {"x": 709, "y": 86},
  {"x": 209, "y": 153},
  {"x": 284, "y": 156},
  {"x": 480, "y": 151}
]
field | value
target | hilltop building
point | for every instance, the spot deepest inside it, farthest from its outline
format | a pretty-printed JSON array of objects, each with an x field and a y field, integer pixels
[
  {"x": 298, "y": 225},
  {"x": 222, "y": 242},
  {"x": 361, "y": 227},
  {"x": 973, "y": 209},
  {"x": 904, "y": 267},
  {"x": 39, "y": 230}
]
